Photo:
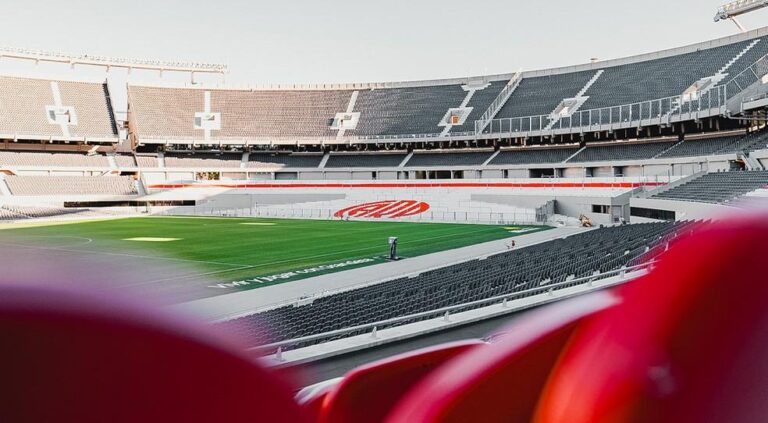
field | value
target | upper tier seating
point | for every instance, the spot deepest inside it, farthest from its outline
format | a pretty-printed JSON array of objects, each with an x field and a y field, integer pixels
[
  {"x": 480, "y": 102},
  {"x": 70, "y": 185},
  {"x": 365, "y": 160},
  {"x": 541, "y": 95},
  {"x": 48, "y": 160},
  {"x": 411, "y": 112},
  {"x": 667, "y": 77},
  {"x": 528, "y": 268},
  {"x": 169, "y": 113},
  {"x": 717, "y": 188},
  {"x": 621, "y": 151},
  {"x": 405, "y": 111},
  {"x": 203, "y": 160},
  {"x": 533, "y": 156},
  {"x": 24, "y": 107},
  {"x": 449, "y": 159}
]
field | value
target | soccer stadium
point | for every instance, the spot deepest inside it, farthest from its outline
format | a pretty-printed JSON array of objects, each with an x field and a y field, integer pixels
[{"x": 572, "y": 243}]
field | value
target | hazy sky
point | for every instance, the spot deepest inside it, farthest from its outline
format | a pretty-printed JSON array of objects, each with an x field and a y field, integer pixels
[{"x": 303, "y": 41}]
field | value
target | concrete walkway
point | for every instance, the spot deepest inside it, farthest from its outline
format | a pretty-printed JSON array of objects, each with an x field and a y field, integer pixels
[{"x": 247, "y": 302}]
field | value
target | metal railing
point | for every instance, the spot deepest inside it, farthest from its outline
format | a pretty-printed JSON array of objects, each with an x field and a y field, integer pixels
[
  {"x": 652, "y": 112},
  {"x": 754, "y": 73},
  {"x": 661, "y": 111},
  {"x": 445, "y": 312},
  {"x": 500, "y": 100}
]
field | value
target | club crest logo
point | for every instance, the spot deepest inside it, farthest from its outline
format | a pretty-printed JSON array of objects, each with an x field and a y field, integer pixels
[{"x": 392, "y": 209}]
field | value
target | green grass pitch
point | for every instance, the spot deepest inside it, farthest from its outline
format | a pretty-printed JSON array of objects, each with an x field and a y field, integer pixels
[{"x": 245, "y": 253}]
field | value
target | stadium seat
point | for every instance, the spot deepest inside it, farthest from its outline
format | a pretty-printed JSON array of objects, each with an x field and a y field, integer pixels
[
  {"x": 76, "y": 357},
  {"x": 312, "y": 397},
  {"x": 501, "y": 383},
  {"x": 687, "y": 344},
  {"x": 368, "y": 393}
]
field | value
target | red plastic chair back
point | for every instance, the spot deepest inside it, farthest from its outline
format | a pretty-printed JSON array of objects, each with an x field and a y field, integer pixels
[
  {"x": 368, "y": 393},
  {"x": 688, "y": 344},
  {"x": 501, "y": 382},
  {"x": 71, "y": 357}
]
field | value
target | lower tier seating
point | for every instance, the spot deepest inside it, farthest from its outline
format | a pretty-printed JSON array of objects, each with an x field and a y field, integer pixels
[
  {"x": 717, "y": 188},
  {"x": 537, "y": 266}
]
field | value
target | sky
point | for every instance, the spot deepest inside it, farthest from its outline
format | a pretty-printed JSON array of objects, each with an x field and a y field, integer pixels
[{"x": 337, "y": 41}]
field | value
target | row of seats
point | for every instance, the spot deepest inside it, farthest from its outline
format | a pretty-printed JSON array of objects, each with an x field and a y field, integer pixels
[
  {"x": 46, "y": 159},
  {"x": 71, "y": 185},
  {"x": 517, "y": 156},
  {"x": 621, "y": 151},
  {"x": 533, "y": 267},
  {"x": 717, "y": 188}
]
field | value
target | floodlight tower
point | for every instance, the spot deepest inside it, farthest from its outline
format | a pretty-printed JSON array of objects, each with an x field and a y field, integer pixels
[{"x": 739, "y": 7}]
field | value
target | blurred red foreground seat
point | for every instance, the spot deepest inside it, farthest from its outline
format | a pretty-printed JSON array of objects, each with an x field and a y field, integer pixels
[
  {"x": 68, "y": 357},
  {"x": 501, "y": 382},
  {"x": 689, "y": 344},
  {"x": 367, "y": 393}
]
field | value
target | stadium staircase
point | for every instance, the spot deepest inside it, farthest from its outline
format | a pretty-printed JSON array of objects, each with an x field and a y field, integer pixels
[
  {"x": 325, "y": 159},
  {"x": 668, "y": 150},
  {"x": 470, "y": 93},
  {"x": 578, "y": 95},
  {"x": 664, "y": 188},
  {"x": 718, "y": 77},
  {"x": 500, "y": 101},
  {"x": 111, "y": 161},
  {"x": 4, "y": 190},
  {"x": 406, "y": 159},
  {"x": 749, "y": 162},
  {"x": 490, "y": 159},
  {"x": 574, "y": 155},
  {"x": 350, "y": 108}
]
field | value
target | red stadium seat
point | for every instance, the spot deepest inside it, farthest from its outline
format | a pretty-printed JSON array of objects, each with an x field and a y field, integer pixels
[
  {"x": 72, "y": 357},
  {"x": 688, "y": 345},
  {"x": 500, "y": 383},
  {"x": 312, "y": 397},
  {"x": 368, "y": 393}
]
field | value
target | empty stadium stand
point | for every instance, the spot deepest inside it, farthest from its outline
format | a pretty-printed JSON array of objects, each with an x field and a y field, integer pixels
[
  {"x": 70, "y": 185},
  {"x": 533, "y": 155},
  {"x": 405, "y": 111},
  {"x": 46, "y": 159},
  {"x": 718, "y": 188},
  {"x": 29, "y": 108},
  {"x": 271, "y": 160},
  {"x": 621, "y": 151},
  {"x": 541, "y": 95},
  {"x": 532, "y": 267},
  {"x": 479, "y": 103},
  {"x": 701, "y": 147},
  {"x": 669, "y": 76},
  {"x": 168, "y": 113},
  {"x": 15, "y": 212},
  {"x": 411, "y": 111}
]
